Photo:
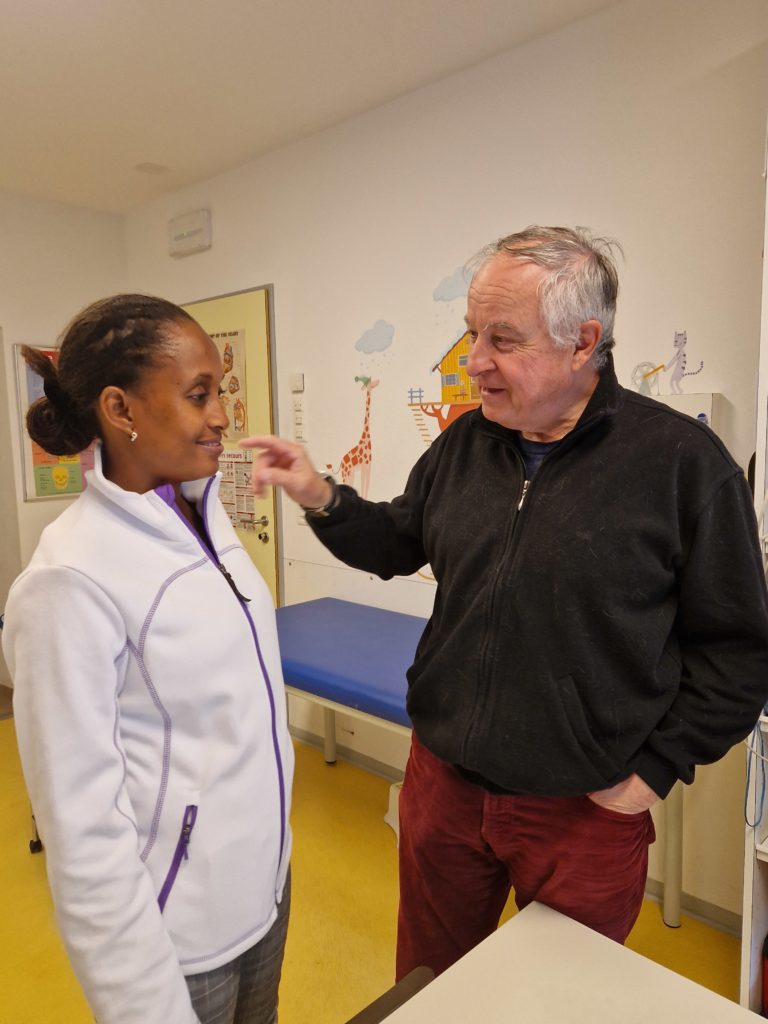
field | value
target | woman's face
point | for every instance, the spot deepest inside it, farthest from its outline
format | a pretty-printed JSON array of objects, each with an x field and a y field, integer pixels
[{"x": 177, "y": 413}]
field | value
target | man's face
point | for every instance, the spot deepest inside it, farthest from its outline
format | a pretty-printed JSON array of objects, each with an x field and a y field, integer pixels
[{"x": 527, "y": 383}]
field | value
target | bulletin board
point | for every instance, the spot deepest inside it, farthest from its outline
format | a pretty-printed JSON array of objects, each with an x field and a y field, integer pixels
[{"x": 45, "y": 476}]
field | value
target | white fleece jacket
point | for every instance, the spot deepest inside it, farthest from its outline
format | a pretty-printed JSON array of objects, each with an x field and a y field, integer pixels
[{"x": 147, "y": 696}]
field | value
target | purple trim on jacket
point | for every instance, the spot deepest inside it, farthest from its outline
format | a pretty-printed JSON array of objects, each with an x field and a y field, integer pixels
[
  {"x": 270, "y": 694},
  {"x": 167, "y": 493},
  {"x": 180, "y": 853},
  {"x": 138, "y": 653}
]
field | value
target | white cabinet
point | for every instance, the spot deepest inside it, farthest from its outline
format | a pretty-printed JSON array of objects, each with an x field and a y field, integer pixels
[
  {"x": 705, "y": 406},
  {"x": 755, "y": 905}
]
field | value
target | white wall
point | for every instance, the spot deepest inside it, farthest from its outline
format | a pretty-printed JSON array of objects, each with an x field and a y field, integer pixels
[
  {"x": 53, "y": 260},
  {"x": 10, "y": 556}
]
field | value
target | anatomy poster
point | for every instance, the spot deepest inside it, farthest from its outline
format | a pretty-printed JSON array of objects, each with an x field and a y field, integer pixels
[{"x": 231, "y": 346}]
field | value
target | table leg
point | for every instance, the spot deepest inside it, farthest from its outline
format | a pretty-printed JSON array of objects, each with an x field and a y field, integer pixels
[
  {"x": 329, "y": 728},
  {"x": 673, "y": 855}
]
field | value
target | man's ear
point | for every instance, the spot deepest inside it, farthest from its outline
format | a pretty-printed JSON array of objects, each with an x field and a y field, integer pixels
[
  {"x": 114, "y": 410},
  {"x": 590, "y": 333}
]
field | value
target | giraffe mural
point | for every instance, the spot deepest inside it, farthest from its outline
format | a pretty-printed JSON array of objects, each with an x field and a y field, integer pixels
[{"x": 359, "y": 457}]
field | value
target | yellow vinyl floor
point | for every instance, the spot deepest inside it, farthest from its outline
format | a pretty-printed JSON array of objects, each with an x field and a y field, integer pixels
[{"x": 340, "y": 950}]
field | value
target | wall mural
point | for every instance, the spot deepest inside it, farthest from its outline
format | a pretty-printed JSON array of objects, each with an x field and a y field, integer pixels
[
  {"x": 646, "y": 379},
  {"x": 358, "y": 458},
  {"x": 458, "y": 393},
  {"x": 354, "y": 466}
]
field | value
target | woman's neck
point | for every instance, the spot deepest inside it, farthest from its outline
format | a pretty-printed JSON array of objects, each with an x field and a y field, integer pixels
[{"x": 190, "y": 512}]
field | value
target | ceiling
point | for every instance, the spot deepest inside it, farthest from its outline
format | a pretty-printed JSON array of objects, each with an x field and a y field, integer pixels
[{"x": 110, "y": 103}]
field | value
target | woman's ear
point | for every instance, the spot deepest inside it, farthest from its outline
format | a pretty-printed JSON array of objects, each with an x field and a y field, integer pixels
[{"x": 114, "y": 410}]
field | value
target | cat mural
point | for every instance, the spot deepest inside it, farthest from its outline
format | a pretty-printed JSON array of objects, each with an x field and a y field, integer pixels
[{"x": 677, "y": 364}]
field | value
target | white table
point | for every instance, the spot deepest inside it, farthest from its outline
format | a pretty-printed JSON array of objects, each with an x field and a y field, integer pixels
[{"x": 543, "y": 968}]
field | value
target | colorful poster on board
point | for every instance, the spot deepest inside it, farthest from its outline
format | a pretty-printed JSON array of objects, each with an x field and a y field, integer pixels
[
  {"x": 231, "y": 346},
  {"x": 45, "y": 476}
]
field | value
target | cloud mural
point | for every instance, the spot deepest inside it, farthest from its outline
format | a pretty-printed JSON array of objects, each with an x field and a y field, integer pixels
[
  {"x": 376, "y": 339},
  {"x": 453, "y": 287}
]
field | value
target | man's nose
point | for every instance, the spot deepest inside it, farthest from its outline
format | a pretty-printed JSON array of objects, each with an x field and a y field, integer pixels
[{"x": 479, "y": 357}]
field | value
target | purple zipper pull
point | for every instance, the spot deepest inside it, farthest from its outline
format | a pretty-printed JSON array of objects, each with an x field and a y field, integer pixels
[
  {"x": 181, "y": 853},
  {"x": 188, "y": 824}
]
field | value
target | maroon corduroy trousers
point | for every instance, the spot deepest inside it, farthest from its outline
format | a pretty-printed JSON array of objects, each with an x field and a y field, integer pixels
[{"x": 462, "y": 849}]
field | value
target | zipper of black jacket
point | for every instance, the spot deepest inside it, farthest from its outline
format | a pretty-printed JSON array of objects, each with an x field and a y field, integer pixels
[
  {"x": 510, "y": 548},
  {"x": 526, "y": 485},
  {"x": 567, "y": 442},
  {"x": 508, "y": 551}
]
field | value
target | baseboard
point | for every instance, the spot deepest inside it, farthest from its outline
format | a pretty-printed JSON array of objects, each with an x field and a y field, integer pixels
[
  {"x": 6, "y": 702},
  {"x": 708, "y": 913},
  {"x": 701, "y": 910},
  {"x": 370, "y": 764}
]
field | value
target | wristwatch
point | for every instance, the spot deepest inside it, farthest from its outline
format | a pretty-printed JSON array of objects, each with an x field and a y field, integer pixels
[{"x": 322, "y": 511}]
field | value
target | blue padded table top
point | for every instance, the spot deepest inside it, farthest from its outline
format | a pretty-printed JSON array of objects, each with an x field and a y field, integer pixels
[{"x": 349, "y": 653}]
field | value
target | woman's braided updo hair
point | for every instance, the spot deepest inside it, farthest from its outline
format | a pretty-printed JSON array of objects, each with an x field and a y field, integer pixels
[{"x": 110, "y": 343}]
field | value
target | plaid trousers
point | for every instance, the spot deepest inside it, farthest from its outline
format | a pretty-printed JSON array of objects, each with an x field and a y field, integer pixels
[{"x": 245, "y": 990}]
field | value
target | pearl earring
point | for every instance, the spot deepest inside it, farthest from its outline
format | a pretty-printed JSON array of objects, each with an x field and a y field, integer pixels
[{"x": 132, "y": 437}]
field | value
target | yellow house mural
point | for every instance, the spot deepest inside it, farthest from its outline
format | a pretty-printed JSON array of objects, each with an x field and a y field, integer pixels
[
  {"x": 458, "y": 392},
  {"x": 455, "y": 383}
]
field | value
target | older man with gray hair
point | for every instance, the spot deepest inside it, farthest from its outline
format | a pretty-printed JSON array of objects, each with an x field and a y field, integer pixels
[{"x": 600, "y": 624}]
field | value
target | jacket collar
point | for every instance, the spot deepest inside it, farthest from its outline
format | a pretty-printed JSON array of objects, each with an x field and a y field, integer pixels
[
  {"x": 602, "y": 406},
  {"x": 151, "y": 507}
]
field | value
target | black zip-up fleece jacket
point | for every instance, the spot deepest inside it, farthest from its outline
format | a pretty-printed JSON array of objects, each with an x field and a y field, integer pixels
[{"x": 612, "y": 621}]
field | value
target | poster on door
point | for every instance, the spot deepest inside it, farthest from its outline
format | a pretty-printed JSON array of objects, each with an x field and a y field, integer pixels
[
  {"x": 234, "y": 490},
  {"x": 45, "y": 476},
  {"x": 231, "y": 346}
]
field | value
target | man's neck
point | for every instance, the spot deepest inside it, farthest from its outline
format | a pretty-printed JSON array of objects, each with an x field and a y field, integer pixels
[{"x": 569, "y": 416}]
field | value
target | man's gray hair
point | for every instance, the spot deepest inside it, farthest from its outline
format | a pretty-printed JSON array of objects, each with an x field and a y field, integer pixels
[{"x": 582, "y": 283}]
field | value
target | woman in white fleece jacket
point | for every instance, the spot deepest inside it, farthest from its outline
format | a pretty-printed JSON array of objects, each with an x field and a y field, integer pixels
[{"x": 149, "y": 699}]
